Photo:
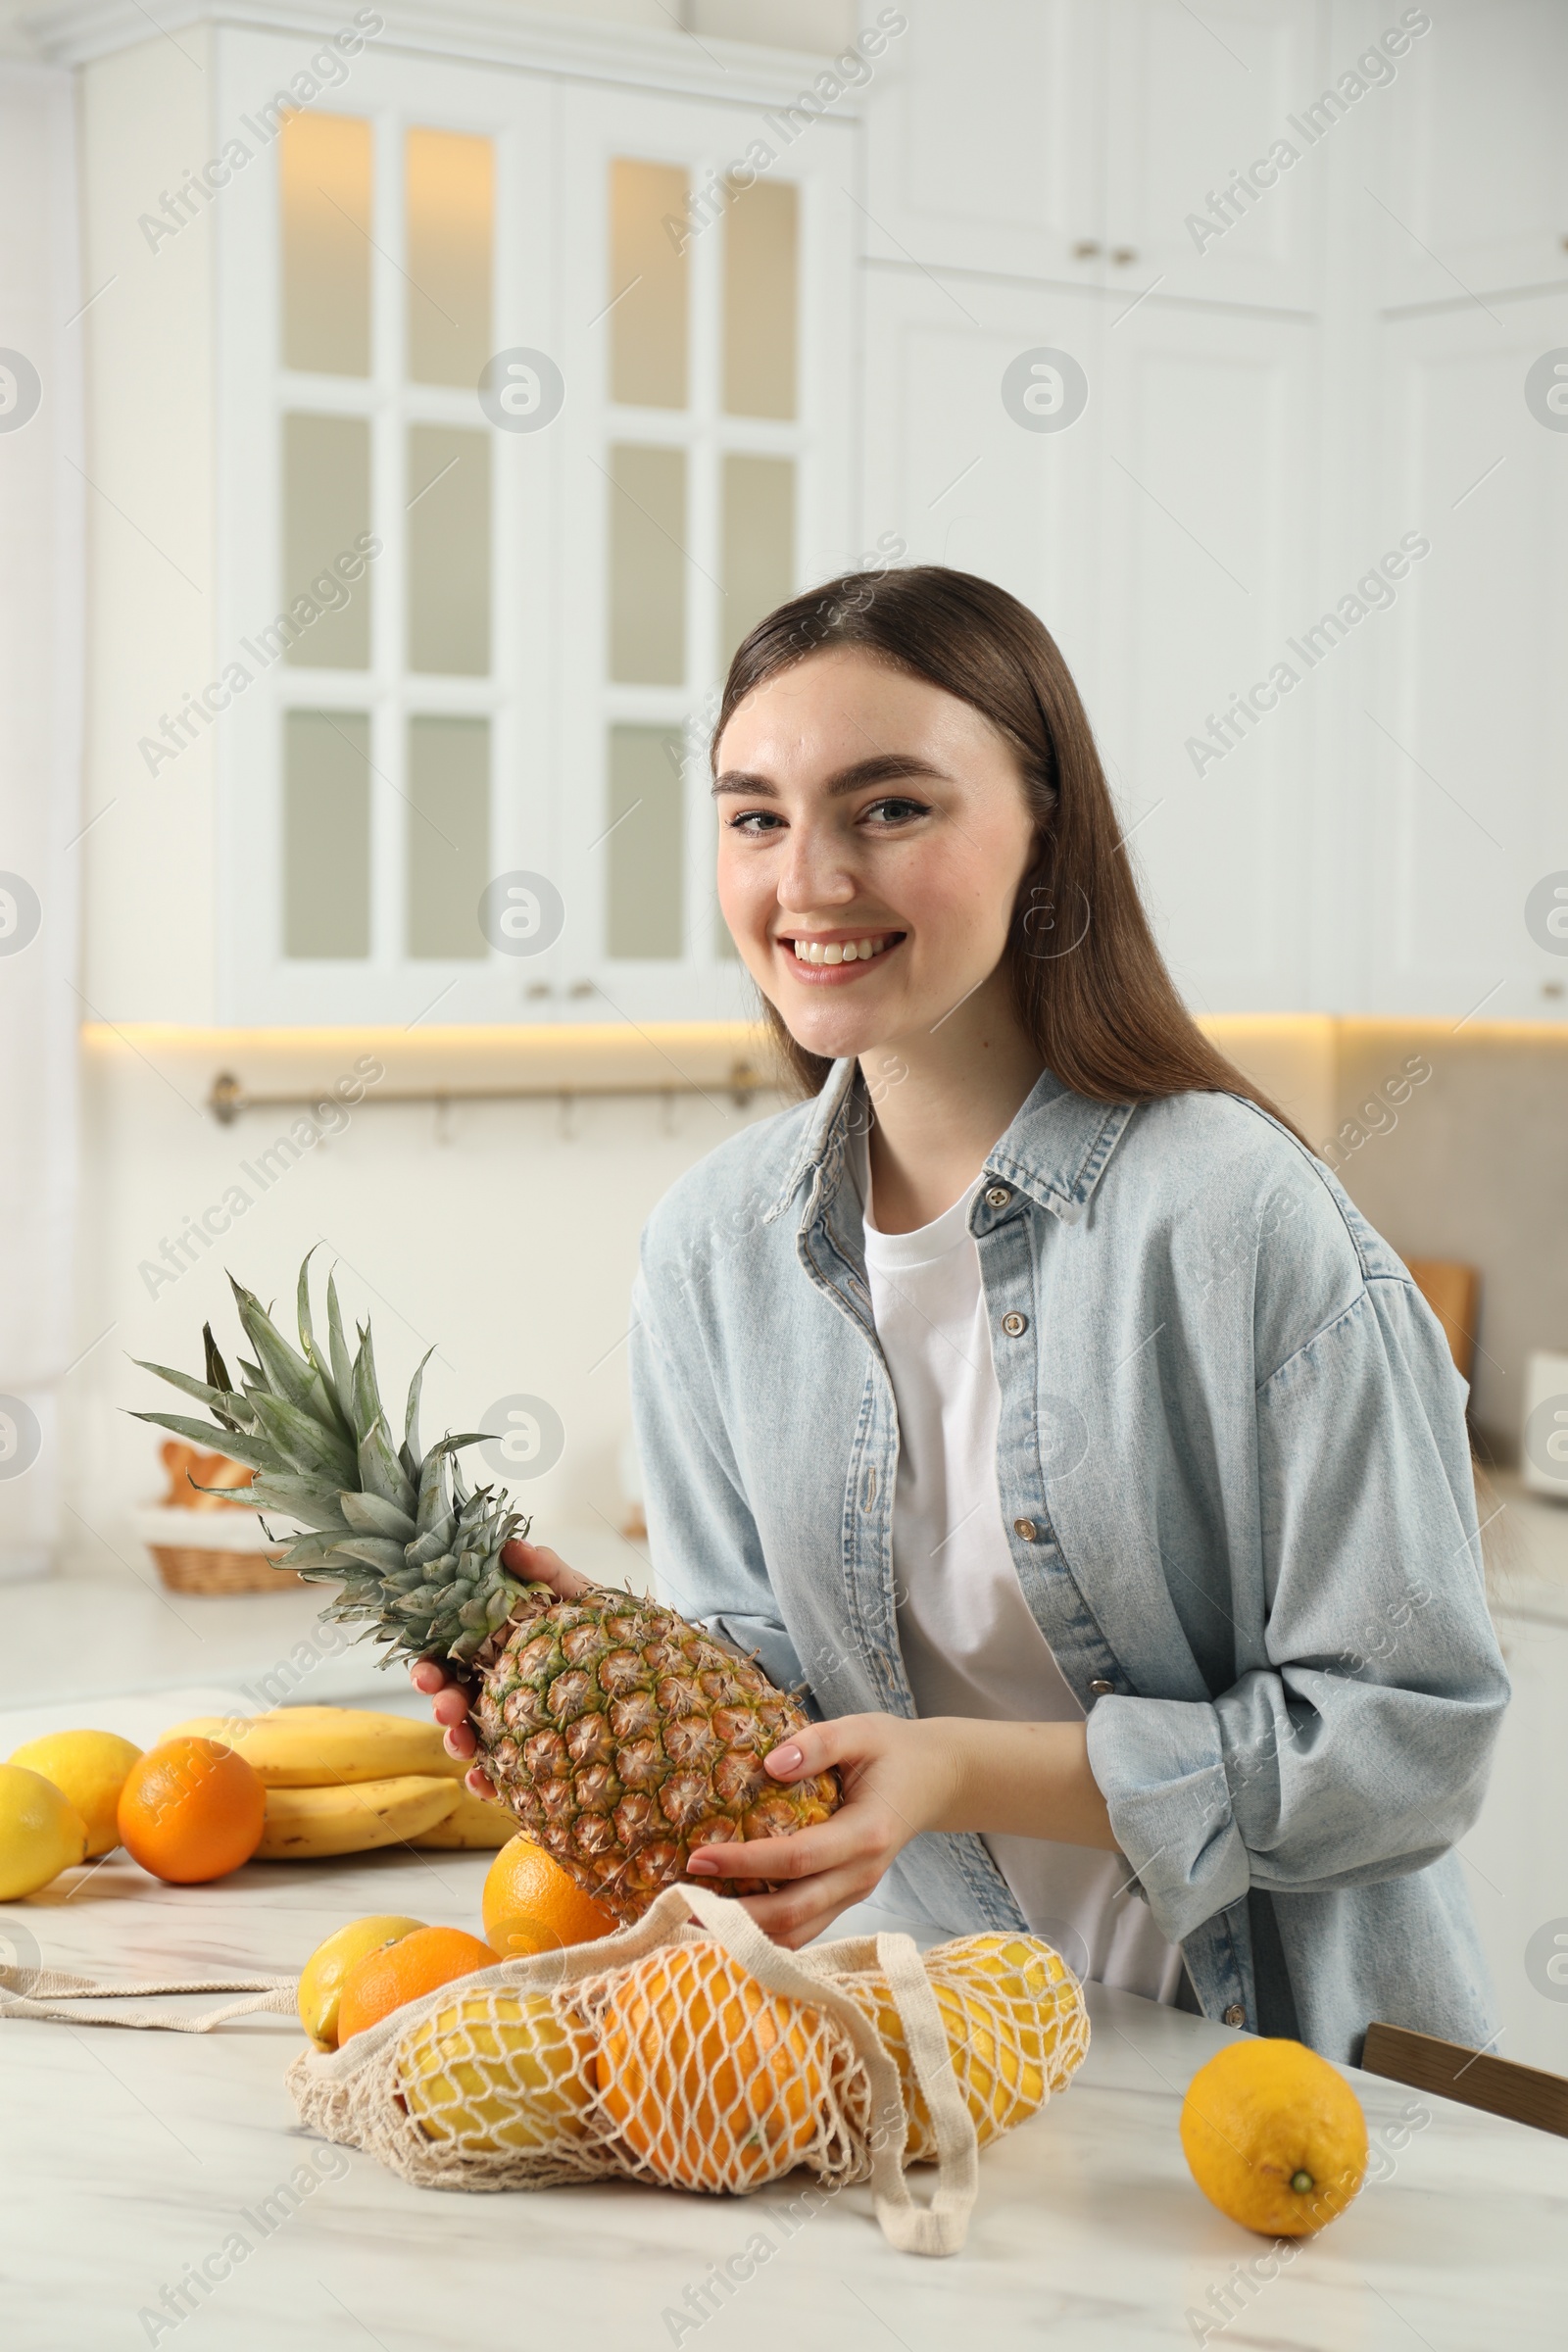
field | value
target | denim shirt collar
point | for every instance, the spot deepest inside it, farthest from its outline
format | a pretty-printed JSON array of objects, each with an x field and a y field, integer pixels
[{"x": 1054, "y": 1151}]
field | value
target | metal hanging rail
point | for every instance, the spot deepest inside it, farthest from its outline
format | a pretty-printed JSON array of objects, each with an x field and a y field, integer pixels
[{"x": 228, "y": 1099}]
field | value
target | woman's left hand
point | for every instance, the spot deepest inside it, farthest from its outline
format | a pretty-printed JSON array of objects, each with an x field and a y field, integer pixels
[{"x": 899, "y": 1777}]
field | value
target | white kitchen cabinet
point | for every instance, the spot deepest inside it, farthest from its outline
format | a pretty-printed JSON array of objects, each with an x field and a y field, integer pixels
[
  {"x": 1205, "y": 531},
  {"x": 513, "y": 379},
  {"x": 1210, "y": 193},
  {"x": 1070, "y": 140},
  {"x": 1462, "y": 700},
  {"x": 1516, "y": 1856},
  {"x": 983, "y": 145},
  {"x": 950, "y": 470},
  {"x": 1472, "y": 189},
  {"x": 1162, "y": 537}
]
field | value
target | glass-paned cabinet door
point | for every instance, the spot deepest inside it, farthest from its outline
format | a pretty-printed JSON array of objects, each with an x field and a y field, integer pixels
[
  {"x": 532, "y": 399},
  {"x": 387, "y": 553},
  {"x": 708, "y": 347}
]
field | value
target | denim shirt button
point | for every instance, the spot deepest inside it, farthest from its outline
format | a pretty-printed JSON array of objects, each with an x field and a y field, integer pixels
[
  {"x": 1101, "y": 1690},
  {"x": 1026, "y": 1529},
  {"x": 998, "y": 1195},
  {"x": 1236, "y": 2015},
  {"x": 1014, "y": 1325}
]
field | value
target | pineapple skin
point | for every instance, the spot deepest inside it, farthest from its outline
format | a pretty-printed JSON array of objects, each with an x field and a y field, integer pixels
[{"x": 623, "y": 1738}]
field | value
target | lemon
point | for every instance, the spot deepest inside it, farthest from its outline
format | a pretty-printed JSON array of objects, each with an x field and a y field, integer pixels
[
  {"x": 497, "y": 2071},
  {"x": 89, "y": 1769},
  {"x": 1275, "y": 2136},
  {"x": 321, "y": 1985},
  {"x": 41, "y": 1834}
]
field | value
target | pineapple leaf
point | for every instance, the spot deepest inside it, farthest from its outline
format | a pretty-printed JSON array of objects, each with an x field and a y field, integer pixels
[
  {"x": 302, "y": 1308},
  {"x": 222, "y": 1403},
  {"x": 364, "y": 1394},
  {"x": 380, "y": 1471},
  {"x": 217, "y": 1369},
  {"x": 369, "y": 1514},
  {"x": 304, "y": 1444},
  {"x": 324, "y": 1368},
  {"x": 302, "y": 1498},
  {"x": 239, "y": 1446},
  {"x": 217, "y": 1376},
  {"x": 379, "y": 1552},
  {"x": 411, "y": 1418},
  {"x": 433, "y": 1506},
  {"x": 315, "y": 1550},
  {"x": 342, "y": 1362},
  {"x": 289, "y": 1375}
]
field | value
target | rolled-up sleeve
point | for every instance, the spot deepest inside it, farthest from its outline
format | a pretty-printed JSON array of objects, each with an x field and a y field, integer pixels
[
  {"x": 1354, "y": 1744},
  {"x": 702, "y": 1540}
]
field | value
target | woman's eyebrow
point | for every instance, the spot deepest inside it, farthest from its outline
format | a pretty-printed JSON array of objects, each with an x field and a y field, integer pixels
[{"x": 886, "y": 768}]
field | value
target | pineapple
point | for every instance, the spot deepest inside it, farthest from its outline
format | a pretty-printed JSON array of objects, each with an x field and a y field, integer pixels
[{"x": 620, "y": 1736}]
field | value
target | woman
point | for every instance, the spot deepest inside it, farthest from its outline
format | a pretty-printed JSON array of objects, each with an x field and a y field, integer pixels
[{"x": 1033, "y": 1395}]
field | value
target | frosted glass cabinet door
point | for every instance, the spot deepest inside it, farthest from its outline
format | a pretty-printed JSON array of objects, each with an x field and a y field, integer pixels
[
  {"x": 397, "y": 759},
  {"x": 326, "y": 510},
  {"x": 651, "y": 282},
  {"x": 449, "y": 243},
  {"x": 510, "y": 625},
  {"x": 762, "y": 298},
  {"x": 706, "y": 350},
  {"x": 327, "y": 834},
  {"x": 648, "y": 564},
  {"x": 448, "y": 860},
  {"x": 449, "y": 544},
  {"x": 326, "y": 164}
]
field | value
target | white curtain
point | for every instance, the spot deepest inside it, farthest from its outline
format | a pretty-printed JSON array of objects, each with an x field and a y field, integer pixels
[{"x": 41, "y": 684}]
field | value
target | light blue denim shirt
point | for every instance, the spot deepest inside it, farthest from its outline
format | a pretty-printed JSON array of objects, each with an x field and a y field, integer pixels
[{"x": 1236, "y": 1481}]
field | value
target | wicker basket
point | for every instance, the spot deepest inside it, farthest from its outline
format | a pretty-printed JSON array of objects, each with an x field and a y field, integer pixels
[{"x": 194, "y": 1568}]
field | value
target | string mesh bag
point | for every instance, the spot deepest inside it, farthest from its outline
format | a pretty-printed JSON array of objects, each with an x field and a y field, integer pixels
[
  {"x": 1015, "y": 2025},
  {"x": 706, "y": 2057}
]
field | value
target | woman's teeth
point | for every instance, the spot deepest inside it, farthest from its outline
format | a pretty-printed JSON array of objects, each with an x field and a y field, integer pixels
[{"x": 847, "y": 951}]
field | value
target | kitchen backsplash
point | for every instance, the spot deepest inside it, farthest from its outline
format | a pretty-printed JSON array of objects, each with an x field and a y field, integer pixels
[{"x": 1455, "y": 1145}]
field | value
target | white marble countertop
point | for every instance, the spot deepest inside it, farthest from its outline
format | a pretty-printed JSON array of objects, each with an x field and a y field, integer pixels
[{"x": 129, "y": 2156}]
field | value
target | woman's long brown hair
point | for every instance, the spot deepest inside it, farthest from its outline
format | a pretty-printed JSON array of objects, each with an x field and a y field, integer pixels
[{"x": 1089, "y": 985}]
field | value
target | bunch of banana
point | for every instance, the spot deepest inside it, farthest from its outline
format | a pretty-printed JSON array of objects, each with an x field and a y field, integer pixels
[{"x": 344, "y": 1781}]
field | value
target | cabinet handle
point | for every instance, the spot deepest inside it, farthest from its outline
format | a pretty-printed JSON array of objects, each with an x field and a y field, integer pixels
[
  {"x": 1085, "y": 249},
  {"x": 1125, "y": 253}
]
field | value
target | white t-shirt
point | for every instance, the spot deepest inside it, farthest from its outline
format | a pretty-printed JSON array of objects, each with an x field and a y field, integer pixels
[{"x": 971, "y": 1644}]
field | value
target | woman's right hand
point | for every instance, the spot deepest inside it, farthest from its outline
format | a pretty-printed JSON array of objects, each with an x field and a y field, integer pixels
[{"x": 451, "y": 1693}]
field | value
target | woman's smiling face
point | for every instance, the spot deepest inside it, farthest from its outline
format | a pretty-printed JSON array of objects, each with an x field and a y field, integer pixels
[{"x": 873, "y": 832}]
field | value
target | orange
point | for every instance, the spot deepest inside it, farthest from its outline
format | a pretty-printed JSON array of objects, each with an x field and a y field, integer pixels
[
  {"x": 400, "y": 1972},
  {"x": 1275, "y": 2136},
  {"x": 708, "y": 2078},
  {"x": 191, "y": 1810},
  {"x": 530, "y": 1905},
  {"x": 321, "y": 1985}
]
